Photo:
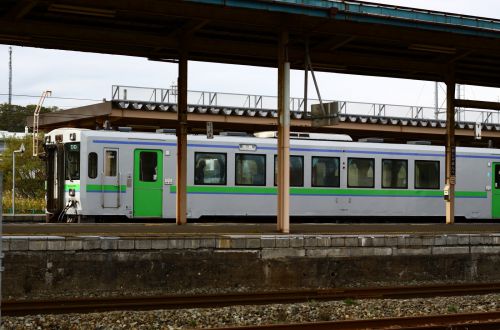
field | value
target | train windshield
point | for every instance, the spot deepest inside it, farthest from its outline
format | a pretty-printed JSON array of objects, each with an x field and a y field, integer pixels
[{"x": 72, "y": 161}]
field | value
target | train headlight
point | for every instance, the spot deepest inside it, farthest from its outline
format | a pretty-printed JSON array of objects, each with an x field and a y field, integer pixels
[
  {"x": 72, "y": 136},
  {"x": 72, "y": 192}
]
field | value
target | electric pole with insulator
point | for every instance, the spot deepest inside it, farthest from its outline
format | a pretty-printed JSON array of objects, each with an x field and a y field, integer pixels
[{"x": 10, "y": 76}]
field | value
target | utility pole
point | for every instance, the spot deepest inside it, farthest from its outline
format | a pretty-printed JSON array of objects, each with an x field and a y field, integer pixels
[
  {"x": 436, "y": 100},
  {"x": 10, "y": 76}
]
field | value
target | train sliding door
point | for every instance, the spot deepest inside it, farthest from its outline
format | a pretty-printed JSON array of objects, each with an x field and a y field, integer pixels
[
  {"x": 495, "y": 191},
  {"x": 110, "y": 186},
  {"x": 148, "y": 183}
]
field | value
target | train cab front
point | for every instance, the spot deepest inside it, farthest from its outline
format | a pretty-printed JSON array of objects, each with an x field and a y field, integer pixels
[{"x": 62, "y": 161}]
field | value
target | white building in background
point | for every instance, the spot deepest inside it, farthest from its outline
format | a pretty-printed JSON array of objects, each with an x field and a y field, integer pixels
[{"x": 7, "y": 135}]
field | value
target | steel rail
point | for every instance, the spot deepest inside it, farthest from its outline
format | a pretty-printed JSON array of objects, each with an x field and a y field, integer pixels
[
  {"x": 465, "y": 321},
  {"x": 87, "y": 305}
]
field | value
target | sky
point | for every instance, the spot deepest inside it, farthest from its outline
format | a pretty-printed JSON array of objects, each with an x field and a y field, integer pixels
[{"x": 89, "y": 77}]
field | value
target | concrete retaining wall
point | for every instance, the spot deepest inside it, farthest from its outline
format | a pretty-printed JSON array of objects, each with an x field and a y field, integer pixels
[{"x": 37, "y": 267}]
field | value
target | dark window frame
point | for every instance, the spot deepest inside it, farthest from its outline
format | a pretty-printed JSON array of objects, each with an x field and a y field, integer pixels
[
  {"x": 303, "y": 170},
  {"x": 225, "y": 168},
  {"x": 96, "y": 165},
  {"x": 438, "y": 173},
  {"x": 265, "y": 170},
  {"x": 374, "y": 171},
  {"x": 312, "y": 166},
  {"x": 382, "y": 173}
]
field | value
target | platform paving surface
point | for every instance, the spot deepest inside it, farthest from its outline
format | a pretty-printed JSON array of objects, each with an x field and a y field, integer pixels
[{"x": 163, "y": 229}]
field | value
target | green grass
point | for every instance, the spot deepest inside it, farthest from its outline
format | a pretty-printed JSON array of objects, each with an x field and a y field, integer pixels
[{"x": 23, "y": 204}]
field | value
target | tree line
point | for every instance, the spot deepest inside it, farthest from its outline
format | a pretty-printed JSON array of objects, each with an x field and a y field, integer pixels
[
  {"x": 13, "y": 117},
  {"x": 30, "y": 171}
]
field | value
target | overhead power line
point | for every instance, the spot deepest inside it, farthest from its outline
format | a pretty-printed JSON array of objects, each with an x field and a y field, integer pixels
[{"x": 53, "y": 97}]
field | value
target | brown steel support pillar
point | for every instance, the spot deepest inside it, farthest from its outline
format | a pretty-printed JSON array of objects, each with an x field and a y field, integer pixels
[
  {"x": 450, "y": 150},
  {"x": 283, "y": 136},
  {"x": 181, "y": 192}
]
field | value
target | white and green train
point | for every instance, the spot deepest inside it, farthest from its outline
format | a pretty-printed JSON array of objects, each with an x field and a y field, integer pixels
[{"x": 92, "y": 175}]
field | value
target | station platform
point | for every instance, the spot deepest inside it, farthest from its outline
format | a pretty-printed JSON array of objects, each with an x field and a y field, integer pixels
[
  {"x": 23, "y": 217},
  {"x": 78, "y": 260},
  {"x": 197, "y": 229}
]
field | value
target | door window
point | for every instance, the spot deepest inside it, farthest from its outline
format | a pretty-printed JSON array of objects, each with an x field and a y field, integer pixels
[
  {"x": 148, "y": 166},
  {"x": 110, "y": 163},
  {"x": 497, "y": 176}
]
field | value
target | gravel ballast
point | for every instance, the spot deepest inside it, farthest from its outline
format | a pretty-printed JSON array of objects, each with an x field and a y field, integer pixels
[{"x": 311, "y": 311}]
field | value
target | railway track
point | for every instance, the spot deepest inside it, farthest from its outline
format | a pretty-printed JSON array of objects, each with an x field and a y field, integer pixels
[
  {"x": 86, "y": 305},
  {"x": 466, "y": 321}
]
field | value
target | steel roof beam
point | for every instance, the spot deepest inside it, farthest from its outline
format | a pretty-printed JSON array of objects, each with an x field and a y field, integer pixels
[
  {"x": 373, "y": 13},
  {"x": 460, "y": 103},
  {"x": 20, "y": 9}
]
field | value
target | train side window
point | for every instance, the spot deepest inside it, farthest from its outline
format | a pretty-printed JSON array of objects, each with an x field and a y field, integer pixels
[
  {"x": 325, "y": 172},
  {"x": 110, "y": 163},
  {"x": 148, "y": 162},
  {"x": 210, "y": 168},
  {"x": 426, "y": 174},
  {"x": 250, "y": 170},
  {"x": 360, "y": 172},
  {"x": 395, "y": 173},
  {"x": 296, "y": 171},
  {"x": 92, "y": 165}
]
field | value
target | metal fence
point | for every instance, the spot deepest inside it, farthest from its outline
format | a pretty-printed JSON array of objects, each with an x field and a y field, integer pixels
[{"x": 267, "y": 102}]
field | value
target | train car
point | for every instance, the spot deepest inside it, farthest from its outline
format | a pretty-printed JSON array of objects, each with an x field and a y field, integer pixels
[{"x": 99, "y": 174}]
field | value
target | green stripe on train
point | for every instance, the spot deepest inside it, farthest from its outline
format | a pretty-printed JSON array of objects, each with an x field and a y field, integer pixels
[
  {"x": 228, "y": 190},
  {"x": 328, "y": 191},
  {"x": 106, "y": 187},
  {"x": 477, "y": 194},
  {"x": 95, "y": 187},
  {"x": 296, "y": 191},
  {"x": 69, "y": 186}
]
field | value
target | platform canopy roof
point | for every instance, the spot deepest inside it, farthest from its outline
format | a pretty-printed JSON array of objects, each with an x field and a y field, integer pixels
[
  {"x": 150, "y": 116},
  {"x": 343, "y": 36}
]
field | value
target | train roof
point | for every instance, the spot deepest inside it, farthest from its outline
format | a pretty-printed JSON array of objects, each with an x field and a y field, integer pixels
[{"x": 270, "y": 141}]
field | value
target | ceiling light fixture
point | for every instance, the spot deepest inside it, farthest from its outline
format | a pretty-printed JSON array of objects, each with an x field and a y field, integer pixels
[
  {"x": 79, "y": 10},
  {"x": 161, "y": 59},
  {"x": 432, "y": 49}
]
